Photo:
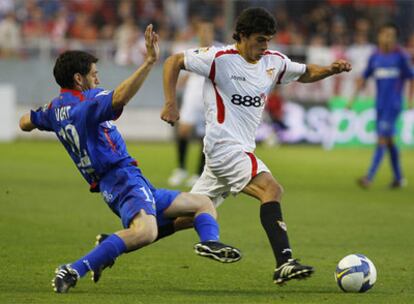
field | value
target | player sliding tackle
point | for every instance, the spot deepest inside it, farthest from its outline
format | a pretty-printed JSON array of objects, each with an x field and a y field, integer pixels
[
  {"x": 80, "y": 116},
  {"x": 239, "y": 78}
]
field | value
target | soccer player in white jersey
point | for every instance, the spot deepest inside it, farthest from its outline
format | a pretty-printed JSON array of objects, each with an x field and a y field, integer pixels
[{"x": 239, "y": 78}]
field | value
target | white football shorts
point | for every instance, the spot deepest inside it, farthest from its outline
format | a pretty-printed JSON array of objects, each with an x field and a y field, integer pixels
[{"x": 226, "y": 173}]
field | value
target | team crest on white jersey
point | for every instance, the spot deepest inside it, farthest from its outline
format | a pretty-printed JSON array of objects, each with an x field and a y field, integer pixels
[
  {"x": 270, "y": 72},
  {"x": 201, "y": 50}
]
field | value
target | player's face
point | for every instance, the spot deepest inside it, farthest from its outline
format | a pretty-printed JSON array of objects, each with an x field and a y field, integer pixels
[
  {"x": 255, "y": 45},
  {"x": 387, "y": 37},
  {"x": 91, "y": 79}
]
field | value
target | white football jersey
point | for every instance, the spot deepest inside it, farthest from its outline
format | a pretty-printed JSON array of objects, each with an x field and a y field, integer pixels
[{"x": 235, "y": 92}]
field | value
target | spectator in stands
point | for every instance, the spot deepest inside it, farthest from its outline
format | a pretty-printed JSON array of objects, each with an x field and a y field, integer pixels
[
  {"x": 59, "y": 27},
  {"x": 357, "y": 54},
  {"x": 83, "y": 28},
  {"x": 126, "y": 37},
  {"x": 10, "y": 36},
  {"x": 6, "y": 7},
  {"x": 35, "y": 27}
]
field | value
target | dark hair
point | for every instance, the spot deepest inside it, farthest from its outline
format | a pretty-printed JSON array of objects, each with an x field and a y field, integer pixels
[
  {"x": 390, "y": 25},
  {"x": 69, "y": 63},
  {"x": 254, "y": 20}
]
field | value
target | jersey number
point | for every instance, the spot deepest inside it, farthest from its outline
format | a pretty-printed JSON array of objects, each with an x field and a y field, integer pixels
[
  {"x": 246, "y": 101},
  {"x": 147, "y": 197},
  {"x": 71, "y": 137}
]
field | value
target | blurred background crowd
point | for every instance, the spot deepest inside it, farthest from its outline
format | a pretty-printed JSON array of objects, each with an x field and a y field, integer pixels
[
  {"x": 34, "y": 32},
  {"x": 116, "y": 26},
  {"x": 310, "y": 31}
]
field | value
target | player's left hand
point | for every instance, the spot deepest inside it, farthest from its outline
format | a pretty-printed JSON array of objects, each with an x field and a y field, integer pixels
[
  {"x": 151, "y": 43},
  {"x": 340, "y": 66}
]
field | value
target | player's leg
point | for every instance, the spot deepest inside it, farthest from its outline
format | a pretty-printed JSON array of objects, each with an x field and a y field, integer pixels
[
  {"x": 269, "y": 192},
  {"x": 201, "y": 209},
  {"x": 129, "y": 195},
  {"x": 141, "y": 232},
  {"x": 183, "y": 137},
  {"x": 377, "y": 157},
  {"x": 207, "y": 185},
  {"x": 383, "y": 128},
  {"x": 398, "y": 180}
]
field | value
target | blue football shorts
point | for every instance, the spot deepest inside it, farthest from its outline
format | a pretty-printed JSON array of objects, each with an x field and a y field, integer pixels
[{"x": 127, "y": 192}]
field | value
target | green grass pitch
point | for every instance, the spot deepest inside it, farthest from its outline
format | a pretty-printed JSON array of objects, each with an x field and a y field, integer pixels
[{"x": 48, "y": 217}]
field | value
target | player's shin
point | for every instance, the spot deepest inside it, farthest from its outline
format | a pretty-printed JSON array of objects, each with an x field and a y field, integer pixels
[
  {"x": 105, "y": 253},
  {"x": 182, "y": 151},
  {"x": 376, "y": 161},
  {"x": 395, "y": 162},
  {"x": 206, "y": 226},
  {"x": 272, "y": 222}
]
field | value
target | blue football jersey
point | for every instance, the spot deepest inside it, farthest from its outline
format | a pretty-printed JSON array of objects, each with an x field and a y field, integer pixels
[
  {"x": 82, "y": 122},
  {"x": 390, "y": 70}
]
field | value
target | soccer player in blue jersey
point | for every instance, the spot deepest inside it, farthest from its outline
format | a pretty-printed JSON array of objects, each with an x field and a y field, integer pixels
[
  {"x": 80, "y": 116},
  {"x": 390, "y": 67}
]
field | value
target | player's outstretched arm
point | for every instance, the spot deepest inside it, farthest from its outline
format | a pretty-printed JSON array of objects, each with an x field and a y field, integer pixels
[
  {"x": 26, "y": 124},
  {"x": 316, "y": 72},
  {"x": 130, "y": 86},
  {"x": 172, "y": 67}
]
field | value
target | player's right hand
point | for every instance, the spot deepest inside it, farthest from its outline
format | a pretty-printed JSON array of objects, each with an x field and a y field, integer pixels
[
  {"x": 151, "y": 44},
  {"x": 170, "y": 114},
  {"x": 340, "y": 66}
]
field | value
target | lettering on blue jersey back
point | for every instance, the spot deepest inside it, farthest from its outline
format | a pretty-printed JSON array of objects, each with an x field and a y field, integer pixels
[
  {"x": 62, "y": 113},
  {"x": 387, "y": 72}
]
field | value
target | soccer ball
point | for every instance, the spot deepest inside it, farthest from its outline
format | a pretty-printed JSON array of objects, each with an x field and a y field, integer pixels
[{"x": 355, "y": 273}]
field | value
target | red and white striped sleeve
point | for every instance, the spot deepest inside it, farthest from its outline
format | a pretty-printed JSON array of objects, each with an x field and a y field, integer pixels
[
  {"x": 290, "y": 71},
  {"x": 199, "y": 60}
]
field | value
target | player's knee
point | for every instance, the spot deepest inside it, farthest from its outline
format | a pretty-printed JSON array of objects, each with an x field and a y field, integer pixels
[
  {"x": 274, "y": 191},
  {"x": 278, "y": 191},
  {"x": 150, "y": 236},
  {"x": 207, "y": 206},
  {"x": 203, "y": 204},
  {"x": 143, "y": 237},
  {"x": 142, "y": 233}
]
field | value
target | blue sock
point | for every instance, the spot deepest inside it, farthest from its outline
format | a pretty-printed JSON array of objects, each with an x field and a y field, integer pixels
[
  {"x": 395, "y": 162},
  {"x": 206, "y": 227},
  {"x": 103, "y": 254},
  {"x": 376, "y": 160}
]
